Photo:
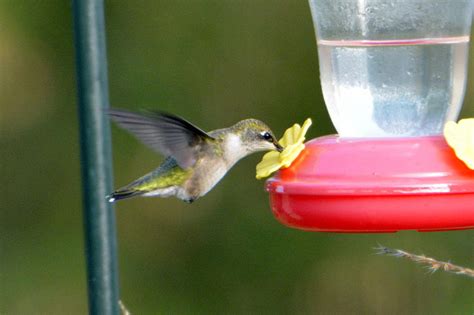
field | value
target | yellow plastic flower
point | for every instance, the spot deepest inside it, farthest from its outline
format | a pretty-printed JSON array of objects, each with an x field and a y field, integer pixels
[
  {"x": 292, "y": 141},
  {"x": 460, "y": 137}
]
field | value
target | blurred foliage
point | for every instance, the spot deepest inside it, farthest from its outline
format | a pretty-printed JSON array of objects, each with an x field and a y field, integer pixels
[{"x": 214, "y": 62}]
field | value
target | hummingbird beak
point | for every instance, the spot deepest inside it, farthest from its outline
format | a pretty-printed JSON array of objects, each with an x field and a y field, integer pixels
[{"x": 278, "y": 147}]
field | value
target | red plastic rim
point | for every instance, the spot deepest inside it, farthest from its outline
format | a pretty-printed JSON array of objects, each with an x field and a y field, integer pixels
[{"x": 375, "y": 185}]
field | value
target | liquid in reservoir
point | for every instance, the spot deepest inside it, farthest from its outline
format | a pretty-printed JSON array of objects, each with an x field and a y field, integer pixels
[{"x": 389, "y": 88}]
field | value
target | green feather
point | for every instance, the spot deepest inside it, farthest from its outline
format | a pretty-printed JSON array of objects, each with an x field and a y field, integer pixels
[{"x": 167, "y": 174}]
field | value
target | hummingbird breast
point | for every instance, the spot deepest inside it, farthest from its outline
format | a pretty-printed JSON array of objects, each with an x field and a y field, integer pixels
[
  {"x": 211, "y": 167},
  {"x": 205, "y": 176}
]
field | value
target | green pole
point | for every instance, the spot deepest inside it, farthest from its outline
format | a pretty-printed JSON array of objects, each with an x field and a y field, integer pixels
[{"x": 96, "y": 162}]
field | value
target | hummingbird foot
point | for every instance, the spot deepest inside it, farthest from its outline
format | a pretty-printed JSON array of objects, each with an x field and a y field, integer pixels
[{"x": 189, "y": 200}]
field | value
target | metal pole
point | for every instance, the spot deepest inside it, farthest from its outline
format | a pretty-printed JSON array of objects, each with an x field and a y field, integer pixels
[{"x": 99, "y": 216}]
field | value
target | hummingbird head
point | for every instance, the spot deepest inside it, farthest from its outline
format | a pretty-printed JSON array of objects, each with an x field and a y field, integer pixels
[{"x": 257, "y": 136}]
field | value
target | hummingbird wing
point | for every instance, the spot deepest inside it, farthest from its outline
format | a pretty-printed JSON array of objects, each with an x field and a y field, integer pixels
[{"x": 168, "y": 134}]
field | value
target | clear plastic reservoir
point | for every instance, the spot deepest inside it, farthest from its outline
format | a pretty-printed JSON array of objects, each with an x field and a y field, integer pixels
[{"x": 392, "y": 68}]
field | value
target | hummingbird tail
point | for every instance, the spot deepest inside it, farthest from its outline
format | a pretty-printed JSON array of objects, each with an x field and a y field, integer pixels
[{"x": 123, "y": 194}]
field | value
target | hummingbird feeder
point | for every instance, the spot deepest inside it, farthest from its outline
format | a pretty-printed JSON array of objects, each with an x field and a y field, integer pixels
[{"x": 392, "y": 73}]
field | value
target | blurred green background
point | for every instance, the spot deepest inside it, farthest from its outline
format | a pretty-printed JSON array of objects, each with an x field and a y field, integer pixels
[{"x": 214, "y": 62}]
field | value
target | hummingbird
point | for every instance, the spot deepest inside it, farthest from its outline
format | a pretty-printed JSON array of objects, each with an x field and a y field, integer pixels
[{"x": 195, "y": 160}]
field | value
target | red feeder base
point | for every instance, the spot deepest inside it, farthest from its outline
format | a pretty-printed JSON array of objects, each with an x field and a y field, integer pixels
[{"x": 374, "y": 185}]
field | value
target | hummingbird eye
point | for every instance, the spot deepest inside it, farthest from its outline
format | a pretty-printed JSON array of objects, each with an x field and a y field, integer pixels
[{"x": 267, "y": 136}]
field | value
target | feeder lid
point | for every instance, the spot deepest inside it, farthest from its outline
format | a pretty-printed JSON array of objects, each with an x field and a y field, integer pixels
[{"x": 375, "y": 185}]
